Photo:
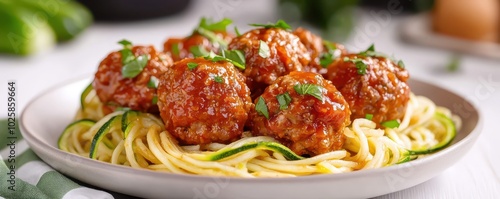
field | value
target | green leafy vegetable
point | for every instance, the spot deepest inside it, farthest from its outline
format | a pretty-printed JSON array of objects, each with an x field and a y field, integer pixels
[
  {"x": 192, "y": 65},
  {"x": 127, "y": 55},
  {"x": 369, "y": 116},
  {"x": 219, "y": 79},
  {"x": 360, "y": 65},
  {"x": 153, "y": 82},
  {"x": 211, "y": 36},
  {"x": 284, "y": 100},
  {"x": 261, "y": 107},
  {"x": 327, "y": 58},
  {"x": 279, "y": 24},
  {"x": 154, "y": 100},
  {"x": 401, "y": 64},
  {"x": 264, "y": 51},
  {"x": 237, "y": 31},
  {"x": 235, "y": 57},
  {"x": 198, "y": 51},
  {"x": 454, "y": 63},
  {"x": 390, "y": 124},
  {"x": 309, "y": 89},
  {"x": 175, "y": 49},
  {"x": 134, "y": 67},
  {"x": 125, "y": 43},
  {"x": 215, "y": 26}
]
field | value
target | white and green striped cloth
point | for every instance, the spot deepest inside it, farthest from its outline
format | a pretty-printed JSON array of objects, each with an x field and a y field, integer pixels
[{"x": 34, "y": 179}]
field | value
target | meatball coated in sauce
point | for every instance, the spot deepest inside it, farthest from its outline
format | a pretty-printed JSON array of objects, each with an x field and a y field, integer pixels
[
  {"x": 207, "y": 103},
  {"x": 382, "y": 91},
  {"x": 286, "y": 54},
  {"x": 179, "y": 48},
  {"x": 316, "y": 48},
  {"x": 114, "y": 90},
  {"x": 308, "y": 126}
]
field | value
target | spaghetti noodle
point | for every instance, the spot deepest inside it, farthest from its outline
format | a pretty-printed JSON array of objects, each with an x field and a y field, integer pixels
[{"x": 139, "y": 140}]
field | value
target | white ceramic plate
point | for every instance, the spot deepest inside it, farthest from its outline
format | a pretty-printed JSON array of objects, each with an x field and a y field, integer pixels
[{"x": 47, "y": 115}]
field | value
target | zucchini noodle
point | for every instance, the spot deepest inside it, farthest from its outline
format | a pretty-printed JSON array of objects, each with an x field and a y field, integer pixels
[{"x": 144, "y": 143}]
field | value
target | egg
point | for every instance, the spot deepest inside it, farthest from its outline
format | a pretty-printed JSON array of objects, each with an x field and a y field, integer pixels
[{"x": 474, "y": 20}]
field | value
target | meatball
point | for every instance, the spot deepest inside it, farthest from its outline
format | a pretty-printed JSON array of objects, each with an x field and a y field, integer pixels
[
  {"x": 180, "y": 48},
  {"x": 115, "y": 91},
  {"x": 310, "y": 122},
  {"x": 286, "y": 54},
  {"x": 318, "y": 50},
  {"x": 371, "y": 85},
  {"x": 202, "y": 101}
]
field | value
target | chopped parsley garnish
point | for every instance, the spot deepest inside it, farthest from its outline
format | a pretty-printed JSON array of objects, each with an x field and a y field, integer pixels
[
  {"x": 454, "y": 63},
  {"x": 122, "y": 109},
  {"x": 134, "y": 67},
  {"x": 279, "y": 24},
  {"x": 390, "y": 124},
  {"x": 264, "y": 51},
  {"x": 125, "y": 43},
  {"x": 153, "y": 82},
  {"x": 370, "y": 52},
  {"x": 261, "y": 107},
  {"x": 309, "y": 89},
  {"x": 198, "y": 51},
  {"x": 234, "y": 56},
  {"x": 401, "y": 64},
  {"x": 175, "y": 49},
  {"x": 327, "y": 58},
  {"x": 284, "y": 100},
  {"x": 360, "y": 65},
  {"x": 207, "y": 28},
  {"x": 237, "y": 31},
  {"x": 154, "y": 100},
  {"x": 215, "y": 26},
  {"x": 369, "y": 116},
  {"x": 219, "y": 79},
  {"x": 211, "y": 36},
  {"x": 192, "y": 65}
]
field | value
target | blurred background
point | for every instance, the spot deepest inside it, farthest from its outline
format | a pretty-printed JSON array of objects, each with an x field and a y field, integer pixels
[{"x": 452, "y": 43}]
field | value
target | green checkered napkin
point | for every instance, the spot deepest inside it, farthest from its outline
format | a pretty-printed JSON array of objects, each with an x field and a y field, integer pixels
[{"x": 33, "y": 178}]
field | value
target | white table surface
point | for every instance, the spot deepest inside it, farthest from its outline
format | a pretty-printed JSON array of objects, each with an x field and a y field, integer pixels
[{"x": 476, "y": 175}]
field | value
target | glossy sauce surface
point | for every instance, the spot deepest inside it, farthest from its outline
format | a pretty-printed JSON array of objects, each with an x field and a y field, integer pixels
[
  {"x": 382, "y": 91},
  {"x": 206, "y": 104},
  {"x": 183, "y": 45},
  {"x": 308, "y": 126},
  {"x": 115, "y": 91}
]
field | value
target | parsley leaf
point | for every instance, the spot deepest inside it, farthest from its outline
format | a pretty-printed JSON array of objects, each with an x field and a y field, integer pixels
[
  {"x": 154, "y": 100},
  {"x": 325, "y": 60},
  {"x": 237, "y": 31},
  {"x": 198, "y": 51},
  {"x": 134, "y": 67},
  {"x": 264, "y": 51},
  {"x": 127, "y": 55},
  {"x": 192, "y": 65},
  {"x": 390, "y": 124},
  {"x": 153, "y": 82},
  {"x": 284, "y": 100},
  {"x": 125, "y": 43},
  {"x": 454, "y": 63},
  {"x": 219, "y": 79},
  {"x": 175, "y": 49},
  {"x": 261, "y": 107},
  {"x": 369, "y": 116},
  {"x": 401, "y": 64},
  {"x": 309, "y": 89},
  {"x": 235, "y": 57},
  {"x": 215, "y": 26},
  {"x": 279, "y": 24},
  {"x": 211, "y": 36},
  {"x": 360, "y": 65}
]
